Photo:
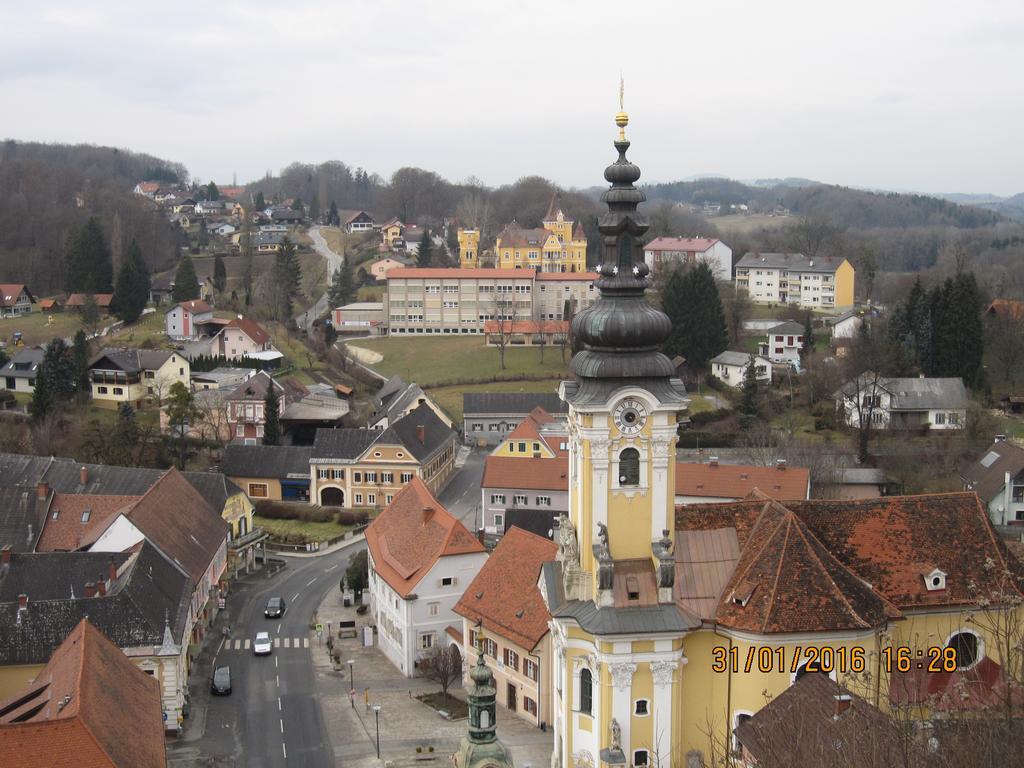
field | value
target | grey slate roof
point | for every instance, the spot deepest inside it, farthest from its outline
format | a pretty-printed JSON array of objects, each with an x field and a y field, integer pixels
[
  {"x": 435, "y": 432},
  {"x": 840, "y": 318},
  {"x": 30, "y": 356},
  {"x": 790, "y": 327},
  {"x": 796, "y": 262},
  {"x": 21, "y": 517},
  {"x": 53, "y": 575},
  {"x": 132, "y": 614},
  {"x": 132, "y": 360},
  {"x": 918, "y": 394},
  {"x": 987, "y": 476},
  {"x": 214, "y": 487},
  {"x": 733, "y": 358},
  {"x": 280, "y": 461},
  {"x": 477, "y": 404},
  {"x": 343, "y": 444},
  {"x": 392, "y": 398}
]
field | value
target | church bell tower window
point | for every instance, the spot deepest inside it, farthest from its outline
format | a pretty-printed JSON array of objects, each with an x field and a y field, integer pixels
[{"x": 629, "y": 467}]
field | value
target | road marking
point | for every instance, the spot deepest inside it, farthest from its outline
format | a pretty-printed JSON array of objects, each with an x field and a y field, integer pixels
[
  {"x": 282, "y": 725},
  {"x": 310, "y": 582},
  {"x": 247, "y": 641},
  {"x": 276, "y": 665},
  {"x": 278, "y": 703},
  {"x": 305, "y": 643},
  {"x": 221, "y": 646},
  {"x": 287, "y": 642},
  {"x": 284, "y": 751},
  {"x": 277, "y": 679},
  {"x": 277, "y": 642},
  {"x": 297, "y": 595},
  {"x": 330, "y": 569},
  {"x": 279, "y": 629}
]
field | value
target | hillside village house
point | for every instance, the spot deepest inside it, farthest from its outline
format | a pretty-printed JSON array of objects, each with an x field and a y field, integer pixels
[
  {"x": 525, "y": 492},
  {"x": 502, "y": 610},
  {"x": 19, "y": 373},
  {"x": 822, "y": 282},
  {"x": 395, "y": 399},
  {"x": 469, "y": 248},
  {"x": 540, "y": 436},
  {"x": 998, "y": 479},
  {"x": 390, "y": 232},
  {"x": 362, "y": 317},
  {"x": 368, "y": 467},
  {"x": 271, "y": 472},
  {"x": 421, "y": 559},
  {"x": 241, "y": 337},
  {"x": 663, "y": 251},
  {"x": 267, "y": 242},
  {"x": 783, "y": 343},
  {"x": 15, "y": 299},
  {"x": 185, "y": 320},
  {"x": 246, "y": 405},
  {"x": 489, "y": 417},
  {"x": 147, "y": 188},
  {"x": 526, "y": 333},
  {"x": 77, "y": 301},
  {"x": 700, "y": 483},
  {"x": 135, "y": 376},
  {"x": 358, "y": 221},
  {"x": 845, "y": 326},
  {"x": 731, "y": 367},
  {"x": 380, "y": 268},
  {"x": 911, "y": 403}
]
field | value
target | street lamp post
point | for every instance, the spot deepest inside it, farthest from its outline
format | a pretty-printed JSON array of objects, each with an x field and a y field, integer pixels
[
  {"x": 351, "y": 684},
  {"x": 376, "y": 717}
]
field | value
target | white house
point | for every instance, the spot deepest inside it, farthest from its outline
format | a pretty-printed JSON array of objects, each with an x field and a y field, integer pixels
[
  {"x": 224, "y": 230},
  {"x": 783, "y": 343},
  {"x": 731, "y": 367},
  {"x": 903, "y": 403},
  {"x": 181, "y": 322},
  {"x": 15, "y": 299},
  {"x": 845, "y": 326},
  {"x": 19, "y": 374},
  {"x": 421, "y": 560},
  {"x": 998, "y": 479},
  {"x": 689, "y": 250}
]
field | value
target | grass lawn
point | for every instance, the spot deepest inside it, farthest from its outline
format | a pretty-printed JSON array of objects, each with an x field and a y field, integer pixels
[
  {"x": 298, "y": 531},
  {"x": 440, "y": 361},
  {"x": 450, "y": 398},
  {"x": 698, "y": 404},
  {"x": 35, "y": 330},
  {"x": 149, "y": 328}
]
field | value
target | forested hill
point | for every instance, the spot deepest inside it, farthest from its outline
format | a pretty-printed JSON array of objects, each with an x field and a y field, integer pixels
[
  {"x": 843, "y": 206},
  {"x": 50, "y": 190}
]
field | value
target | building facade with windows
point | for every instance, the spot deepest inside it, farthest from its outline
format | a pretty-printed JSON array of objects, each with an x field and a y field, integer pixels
[
  {"x": 558, "y": 245},
  {"x": 421, "y": 559},
  {"x": 469, "y": 248},
  {"x": 664, "y": 251},
  {"x": 821, "y": 282},
  {"x": 136, "y": 376},
  {"x": 528, "y": 492},
  {"x": 489, "y": 417}
]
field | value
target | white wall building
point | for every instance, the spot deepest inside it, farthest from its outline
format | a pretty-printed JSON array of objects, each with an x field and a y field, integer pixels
[
  {"x": 731, "y": 367},
  {"x": 182, "y": 320},
  {"x": 903, "y": 403},
  {"x": 689, "y": 250},
  {"x": 783, "y": 343}
]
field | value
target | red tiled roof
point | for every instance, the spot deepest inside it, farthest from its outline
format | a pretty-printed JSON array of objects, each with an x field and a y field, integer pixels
[
  {"x": 454, "y": 273},
  {"x": 504, "y": 594},
  {"x": 412, "y": 533},
  {"x": 98, "y": 710},
  {"x": 78, "y": 299},
  {"x": 9, "y": 293},
  {"x": 149, "y": 186},
  {"x": 250, "y": 328},
  {"x": 1006, "y": 308},
  {"x": 514, "y": 236},
  {"x": 529, "y": 427},
  {"x": 195, "y": 306},
  {"x": 735, "y": 481},
  {"x": 67, "y": 532},
  {"x": 526, "y": 473},
  {"x": 582, "y": 276},
  {"x": 527, "y": 326},
  {"x": 696, "y": 244}
]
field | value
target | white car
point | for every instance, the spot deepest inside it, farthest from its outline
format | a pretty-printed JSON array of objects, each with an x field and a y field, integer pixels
[{"x": 262, "y": 645}]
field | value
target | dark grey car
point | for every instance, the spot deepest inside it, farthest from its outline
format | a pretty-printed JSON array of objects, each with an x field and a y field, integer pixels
[
  {"x": 275, "y": 608},
  {"x": 220, "y": 683}
]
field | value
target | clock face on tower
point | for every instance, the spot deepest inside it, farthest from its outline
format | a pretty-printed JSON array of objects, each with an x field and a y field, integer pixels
[{"x": 630, "y": 416}]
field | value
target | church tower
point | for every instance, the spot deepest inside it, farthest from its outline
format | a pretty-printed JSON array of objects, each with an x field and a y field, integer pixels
[
  {"x": 617, "y": 631},
  {"x": 481, "y": 748}
]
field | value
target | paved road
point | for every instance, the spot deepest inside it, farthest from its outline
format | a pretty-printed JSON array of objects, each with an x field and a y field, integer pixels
[
  {"x": 334, "y": 261},
  {"x": 461, "y": 496},
  {"x": 272, "y": 717}
]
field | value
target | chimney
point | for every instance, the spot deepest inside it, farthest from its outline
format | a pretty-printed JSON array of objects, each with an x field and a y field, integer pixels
[
  {"x": 421, "y": 433},
  {"x": 90, "y": 589},
  {"x": 5, "y": 554},
  {"x": 42, "y": 491},
  {"x": 428, "y": 512},
  {"x": 22, "y": 602},
  {"x": 112, "y": 571},
  {"x": 83, "y": 476},
  {"x": 780, "y": 464},
  {"x": 713, "y": 461},
  {"x": 101, "y": 588},
  {"x": 843, "y": 702}
]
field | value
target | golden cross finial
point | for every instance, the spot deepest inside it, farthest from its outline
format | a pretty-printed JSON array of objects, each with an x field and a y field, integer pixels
[{"x": 622, "y": 119}]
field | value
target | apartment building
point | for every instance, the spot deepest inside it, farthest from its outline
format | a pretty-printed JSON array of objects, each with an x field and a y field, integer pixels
[
  {"x": 663, "y": 251},
  {"x": 460, "y": 301},
  {"x": 821, "y": 282}
]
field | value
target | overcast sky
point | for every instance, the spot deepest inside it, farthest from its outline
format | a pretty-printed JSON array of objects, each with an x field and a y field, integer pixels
[{"x": 899, "y": 94}]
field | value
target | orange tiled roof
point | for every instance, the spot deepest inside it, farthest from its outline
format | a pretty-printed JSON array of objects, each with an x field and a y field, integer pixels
[
  {"x": 98, "y": 710},
  {"x": 453, "y": 273},
  {"x": 1006, "y": 308},
  {"x": 526, "y": 473},
  {"x": 529, "y": 428},
  {"x": 195, "y": 306},
  {"x": 78, "y": 299},
  {"x": 9, "y": 292},
  {"x": 735, "y": 481},
  {"x": 250, "y": 328},
  {"x": 67, "y": 532},
  {"x": 696, "y": 244},
  {"x": 527, "y": 326},
  {"x": 553, "y": 276},
  {"x": 411, "y": 534},
  {"x": 504, "y": 594}
]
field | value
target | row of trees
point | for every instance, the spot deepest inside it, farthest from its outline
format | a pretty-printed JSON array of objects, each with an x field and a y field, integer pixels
[
  {"x": 89, "y": 269},
  {"x": 62, "y": 376}
]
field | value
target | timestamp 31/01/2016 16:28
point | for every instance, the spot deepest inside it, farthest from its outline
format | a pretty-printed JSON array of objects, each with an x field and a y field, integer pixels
[{"x": 823, "y": 658}]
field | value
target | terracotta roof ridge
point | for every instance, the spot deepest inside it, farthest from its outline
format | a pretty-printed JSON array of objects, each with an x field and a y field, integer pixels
[
  {"x": 784, "y": 521},
  {"x": 738, "y": 576}
]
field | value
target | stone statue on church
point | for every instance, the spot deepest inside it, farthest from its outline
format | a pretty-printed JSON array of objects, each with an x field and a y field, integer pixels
[
  {"x": 666, "y": 560},
  {"x": 568, "y": 546},
  {"x": 616, "y": 729}
]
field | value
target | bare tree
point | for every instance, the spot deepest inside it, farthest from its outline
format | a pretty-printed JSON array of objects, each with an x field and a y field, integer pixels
[
  {"x": 442, "y": 665},
  {"x": 1005, "y": 345},
  {"x": 504, "y": 310},
  {"x": 737, "y": 310},
  {"x": 816, "y": 235}
]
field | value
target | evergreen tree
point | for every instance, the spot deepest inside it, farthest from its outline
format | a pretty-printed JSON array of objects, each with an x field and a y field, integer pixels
[
  {"x": 271, "y": 425},
  {"x": 258, "y": 202},
  {"x": 181, "y": 409},
  {"x": 42, "y": 404},
  {"x": 212, "y": 193},
  {"x": 88, "y": 263},
  {"x": 342, "y": 288},
  {"x": 297, "y": 204},
  {"x": 80, "y": 363},
  {"x": 124, "y": 437},
  {"x": 690, "y": 299},
  {"x": 748, "y": 403},
  {"x": 220, "y": 274},
  {"x": 132, "y": 290},
  {"x": 805, "y": 350},
  {"x": 333, "y": 218},
  {"x": 425, "y": 255},
  {"x": 287, "y": 278},
  {"x": 90, "y": 315},
  {"x": 330, "y": 334},
  {"x": 55, "y": 380},
  {"x": 186, "y": 284}
]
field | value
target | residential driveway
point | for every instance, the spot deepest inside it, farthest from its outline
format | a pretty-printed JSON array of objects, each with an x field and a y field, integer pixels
[
  {"x": 404, "y": 722},
  {"x": 320, "y": 246},
  {"x": 461, "y": 496}
]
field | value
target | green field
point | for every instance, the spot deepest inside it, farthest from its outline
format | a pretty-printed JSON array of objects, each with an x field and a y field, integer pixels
[
  {"x": 298, "y": 531},
  {"x": 35, "y": 330},
  {"x": 442, "y": 362},
  {"x": 450, "y": 398}
]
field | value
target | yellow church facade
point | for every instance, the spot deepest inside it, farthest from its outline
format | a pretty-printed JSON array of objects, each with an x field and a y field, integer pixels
[{"x": 671, "y": 626}]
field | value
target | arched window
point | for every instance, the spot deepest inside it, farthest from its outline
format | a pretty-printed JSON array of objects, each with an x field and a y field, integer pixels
[
  {"x": 586, "y": 691},
  {"x": 967, "y": 649},
  {"x": 629, "y": 467}
]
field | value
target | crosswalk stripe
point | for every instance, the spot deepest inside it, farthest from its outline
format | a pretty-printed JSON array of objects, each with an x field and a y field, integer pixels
[
  {"x": 237, "y": 644},
  {"x": 305, "y": 643},
  {"x": 287, "y": 642},
  {"x": 247, "y": 641},
  {"x": 277, "y": 642}
]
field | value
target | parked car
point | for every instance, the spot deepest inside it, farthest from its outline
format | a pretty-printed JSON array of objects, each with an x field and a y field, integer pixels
[
  {"x": 275, "y": 608},
  {"x": 262, "y": 645},
  {"x": 220, "y": 683}
]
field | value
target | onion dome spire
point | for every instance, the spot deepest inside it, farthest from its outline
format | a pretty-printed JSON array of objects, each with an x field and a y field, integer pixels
[{"x": 621, "y": 332}]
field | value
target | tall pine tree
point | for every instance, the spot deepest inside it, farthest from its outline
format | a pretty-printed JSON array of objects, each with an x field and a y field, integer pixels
[
  {"x": 287, "y": 278},
  {"x": 186, "y": 284},
  {"x": 80, "y": 363},
  {"x": 272, "y": 424},
  {"x": 690, "y": 299},
  {"x": 88, "y": 263},
  {"x": 220, "y": 274},
  {"x": 132, "y": 289},
  {"x": 425, "y": 255},
  {"x": 342, "y": 288}
]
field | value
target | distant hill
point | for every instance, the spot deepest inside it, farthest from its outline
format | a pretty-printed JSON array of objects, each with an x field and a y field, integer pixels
[{"x": 49, "y": 190}]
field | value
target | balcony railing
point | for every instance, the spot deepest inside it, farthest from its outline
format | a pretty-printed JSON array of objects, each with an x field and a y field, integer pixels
[
  {"x": 101, "y": 377},
  {"x": 256, "y": 534}
]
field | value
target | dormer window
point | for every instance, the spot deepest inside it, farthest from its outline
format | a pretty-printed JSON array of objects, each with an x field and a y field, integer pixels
[
  {"x": 934, "y": 580},
  {"x": 743, "y": 592}
]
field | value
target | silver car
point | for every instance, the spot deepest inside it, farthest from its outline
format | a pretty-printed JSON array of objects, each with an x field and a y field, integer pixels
[{"x": 262, "y": 645}]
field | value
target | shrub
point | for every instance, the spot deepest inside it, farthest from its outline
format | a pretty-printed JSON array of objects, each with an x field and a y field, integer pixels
[
  {"x": 275, "y": 510},
  {"x": 318, "y": 515},
  {"x": 352, "y": 516}
]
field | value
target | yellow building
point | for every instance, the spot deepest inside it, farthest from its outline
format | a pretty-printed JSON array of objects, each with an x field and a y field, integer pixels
[
  {"x": 390, "y": 232},
  {"x": 558, "y": 246},
  {"x": 671, "y": 626},
  {"x": 135, "y": 376},
  {"x": 539, "y": 436},
  {"x": 469, "y": 248}
]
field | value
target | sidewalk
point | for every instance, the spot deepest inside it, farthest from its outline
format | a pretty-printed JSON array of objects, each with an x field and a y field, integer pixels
[
  {"x": 359, "y": 537},
  {"x": 405, "y": 723}
]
